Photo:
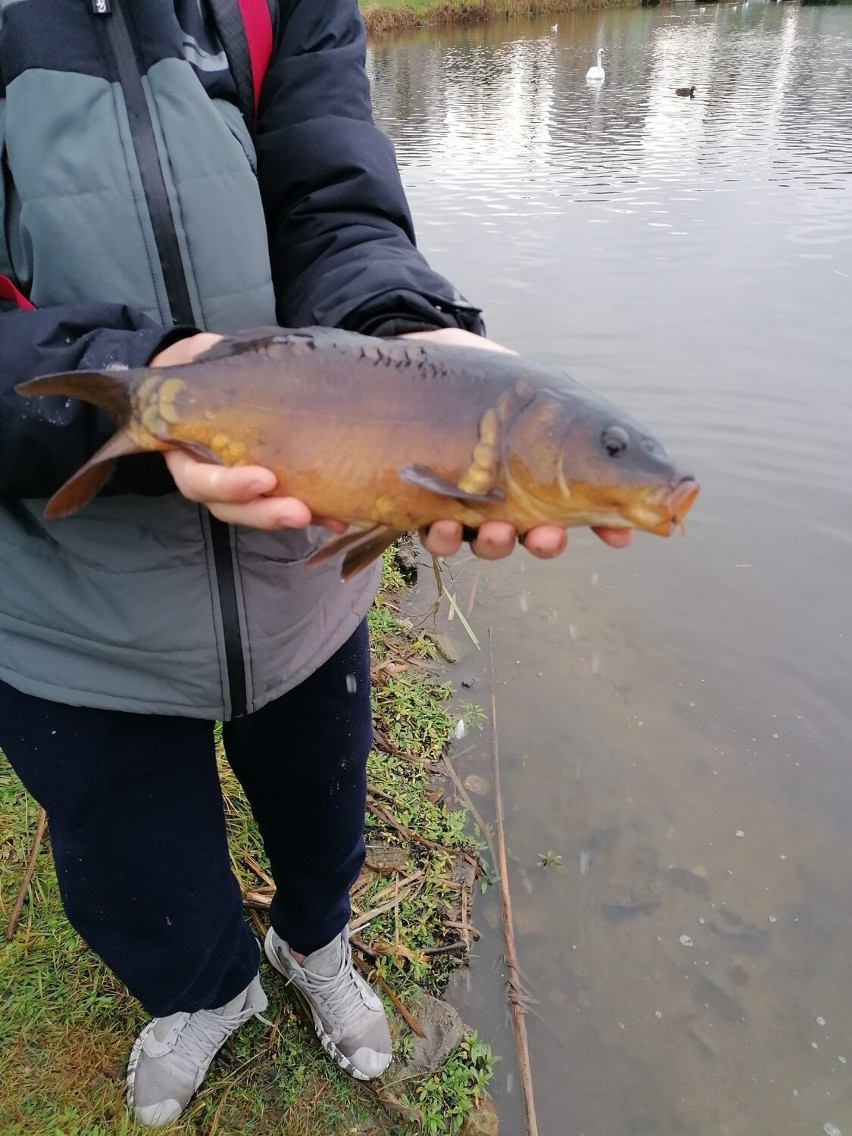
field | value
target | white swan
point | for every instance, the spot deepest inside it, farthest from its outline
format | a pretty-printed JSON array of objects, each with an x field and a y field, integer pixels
[
  {"x": 598, "y": 71},
  {"x": 553, "y": 27}
]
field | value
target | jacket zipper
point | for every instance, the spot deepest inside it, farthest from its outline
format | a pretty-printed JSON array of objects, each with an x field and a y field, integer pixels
[{"x": 128, "y": 70}]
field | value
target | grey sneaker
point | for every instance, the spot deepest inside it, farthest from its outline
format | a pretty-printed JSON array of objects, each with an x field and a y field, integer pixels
[
  {"x": 349, "y": 1018},
  {"x": 171, "y": 1055}
]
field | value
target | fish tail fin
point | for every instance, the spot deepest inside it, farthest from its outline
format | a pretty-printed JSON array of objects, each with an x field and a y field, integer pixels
[
  {"x": 90, "y": 478},
  {"x": 108, "y": 389},
  {"x": 361, "y": 547}
]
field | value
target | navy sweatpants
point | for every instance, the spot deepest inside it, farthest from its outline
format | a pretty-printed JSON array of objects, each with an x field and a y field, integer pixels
[{"x": 137, "y": 826}]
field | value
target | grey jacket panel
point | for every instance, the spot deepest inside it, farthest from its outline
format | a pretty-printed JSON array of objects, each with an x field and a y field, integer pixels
[
  {"x": 118, "y": 606},
  {"x": 295, "y": 613},
  {"x": 103, "y": 610},
  {"x": 208, "y": 172},
  {"x": 123, "y": 617},
  {"x": 211, "y": 185},
  {"x": 87, "y": 147}
]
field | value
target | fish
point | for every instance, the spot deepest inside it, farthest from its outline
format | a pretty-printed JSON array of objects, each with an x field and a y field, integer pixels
[
  {"x": 711, "y": 994},
  {"x": 387, "y": 435},
  {"x": 688, "y": 881},
  {"x": 619, "y": 912}
]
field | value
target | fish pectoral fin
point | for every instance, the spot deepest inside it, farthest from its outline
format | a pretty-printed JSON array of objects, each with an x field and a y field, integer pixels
[
  {"x": 425, "y": 478},
  {"x": 90, "y": 478},
  {"x": 196, "y": 450},
  {"x": 361, "y": 548}
]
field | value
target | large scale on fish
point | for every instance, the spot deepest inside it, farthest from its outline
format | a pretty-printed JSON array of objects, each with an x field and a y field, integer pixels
[{"x": 388, "y": 435}]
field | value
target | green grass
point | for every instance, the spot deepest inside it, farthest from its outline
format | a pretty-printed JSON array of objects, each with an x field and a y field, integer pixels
[{"x": 66, "y": 1025}]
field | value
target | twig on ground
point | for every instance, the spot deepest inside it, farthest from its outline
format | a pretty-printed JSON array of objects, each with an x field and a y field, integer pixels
[
  {"x": 392, "y": 1102},
  {"x": 274, "y": 1029},
  {"x": 467, "y": 929},
  {"x": 409, "y": 834},
  {"x": 405, "y": 1014},
  {"x": 259, "y": 898},
  {"x": 253, "y": 866},
  {"x": 259, "y": 928},
  {"x": 386, "y": 892},
  {"x": 374, "y": 792},
  {"x": 472, "y": 594},
  {"x": 12, "y": 925},
  {"x": 383, "y": 949},
  {"x": 445, "y": 949},
  {"x": 375, "y": 912},
  {"x": 382, "y": 742}
]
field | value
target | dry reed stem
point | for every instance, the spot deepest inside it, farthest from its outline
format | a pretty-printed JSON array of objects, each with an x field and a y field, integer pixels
[
  {"x": 409, "y": 834},
  {"x": 12, "y": 925},
  {"x": 513, "y": 986},
  {"x": 253, "y": 866},
  {"x": 405, "y": 1014}
]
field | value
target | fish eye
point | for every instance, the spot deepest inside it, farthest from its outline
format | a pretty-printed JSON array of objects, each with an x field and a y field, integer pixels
[{"x": 615, "y": 440}]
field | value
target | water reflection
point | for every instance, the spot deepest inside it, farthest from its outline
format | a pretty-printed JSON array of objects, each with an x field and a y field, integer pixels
[
  {"x": 770, "y": 103},
  {"x": 674, "y": 720}
]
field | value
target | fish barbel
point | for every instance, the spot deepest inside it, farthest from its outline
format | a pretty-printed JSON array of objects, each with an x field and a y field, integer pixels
[{"x": 388, "y": 435}]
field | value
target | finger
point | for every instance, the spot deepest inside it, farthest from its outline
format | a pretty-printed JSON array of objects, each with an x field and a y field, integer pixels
[
  {"x": 207, "y": 482},
  {"x": 494, "y": 540},
  {"x": 546, "y": 541},
  {"x": 615, "y": 538},
  {"x": 270, "y": 513},
  {"x": 456, "y": 337},
  {"x": 443, "y": 538},
  {"x": 185, "y": 350}
]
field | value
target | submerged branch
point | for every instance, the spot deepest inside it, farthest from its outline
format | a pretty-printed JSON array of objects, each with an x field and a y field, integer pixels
[{"x": 513, "y": 984}]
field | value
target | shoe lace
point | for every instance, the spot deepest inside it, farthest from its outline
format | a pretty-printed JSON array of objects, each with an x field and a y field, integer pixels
[
  {"x": 342, "y": 995},
  {"x": 201, "y": 1034}
]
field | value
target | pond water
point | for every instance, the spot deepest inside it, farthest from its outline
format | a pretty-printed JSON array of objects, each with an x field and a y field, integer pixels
[{"x": 673, "y": 719}]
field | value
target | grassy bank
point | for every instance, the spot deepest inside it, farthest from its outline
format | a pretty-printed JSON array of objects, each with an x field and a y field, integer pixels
[
  {"x": 66, "y": 1024},
  {"x": 396, "y": 15}
]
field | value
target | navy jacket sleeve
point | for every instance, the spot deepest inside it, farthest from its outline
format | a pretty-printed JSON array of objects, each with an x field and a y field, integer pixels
[
  {"x": 341, "y": 236},
  {"x": 43, "y": 441}
]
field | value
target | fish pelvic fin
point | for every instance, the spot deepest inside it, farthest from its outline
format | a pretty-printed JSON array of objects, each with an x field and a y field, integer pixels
[
  {"x": 425, "y": 478},
  {"x": 361, "y": 547},
  {"x": 108, "y": 389},
  {"x": 90, "y": 478}
]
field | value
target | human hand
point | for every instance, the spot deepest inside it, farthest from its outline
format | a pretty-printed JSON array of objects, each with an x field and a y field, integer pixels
[
  {"x": 238, "y": 495},
  {"x": 185, "y": 350},
  {"x": 496, "y": 539}
]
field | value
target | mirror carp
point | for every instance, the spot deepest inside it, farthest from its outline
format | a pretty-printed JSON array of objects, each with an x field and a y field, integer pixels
[{"x": 388, "y": 435}]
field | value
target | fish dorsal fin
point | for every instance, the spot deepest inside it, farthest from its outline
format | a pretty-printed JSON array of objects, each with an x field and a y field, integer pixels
[
  {"x": 425, "y": 478},
  {"x": 90, "y": 478},
  {"x": 256, "y": 339},
  {"x": 361, "y": 547},
  {"x": 240, "y": 343}
]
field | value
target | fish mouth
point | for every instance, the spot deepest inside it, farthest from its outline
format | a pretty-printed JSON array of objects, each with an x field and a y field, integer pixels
[{"x": 673, "y": 505}]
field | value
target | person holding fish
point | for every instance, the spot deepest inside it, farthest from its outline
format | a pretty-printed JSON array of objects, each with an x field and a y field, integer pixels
[{"x": 164, "y": 189}]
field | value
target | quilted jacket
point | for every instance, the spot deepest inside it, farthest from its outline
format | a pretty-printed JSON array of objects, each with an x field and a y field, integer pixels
[{"x": 138, "y": 206}]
